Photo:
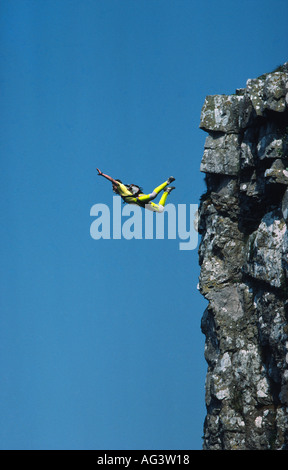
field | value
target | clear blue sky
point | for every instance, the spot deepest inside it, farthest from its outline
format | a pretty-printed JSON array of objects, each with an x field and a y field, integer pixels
[{"x": 100, "y": 344}]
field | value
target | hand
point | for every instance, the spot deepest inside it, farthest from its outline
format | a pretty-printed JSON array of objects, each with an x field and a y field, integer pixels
[{"x": 99, "y": 172}]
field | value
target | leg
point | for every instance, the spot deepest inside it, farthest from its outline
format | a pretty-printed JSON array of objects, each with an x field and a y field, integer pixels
[
  {"x": 154, "y": 207},
  {"x": 149, "y": 197},
  {"x": 159, "y": 207}
]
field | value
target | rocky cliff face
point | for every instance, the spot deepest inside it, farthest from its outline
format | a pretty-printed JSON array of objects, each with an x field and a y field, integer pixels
[{"x": 243, "y": 256}]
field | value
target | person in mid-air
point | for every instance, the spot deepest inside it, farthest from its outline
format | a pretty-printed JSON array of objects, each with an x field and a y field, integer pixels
[{"x": 133, "y": 194}]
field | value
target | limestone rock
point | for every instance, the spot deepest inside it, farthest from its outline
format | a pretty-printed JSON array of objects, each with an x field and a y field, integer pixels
[
  {"x": 272, "y": 141},
  {"x": 268, "y": 93},
  {"x": 264, "y": 257},
  {"x": 220, "y": 113},
  {"x": 221, "y": 154},
  {"x": 243, "y": 256}
]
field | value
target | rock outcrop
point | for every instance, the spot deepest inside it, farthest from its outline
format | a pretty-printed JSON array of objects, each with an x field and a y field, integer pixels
[{"x": 243, "y": 255}]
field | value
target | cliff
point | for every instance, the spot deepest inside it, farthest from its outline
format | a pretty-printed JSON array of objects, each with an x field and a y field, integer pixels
[{"x": 243, "y": 255}]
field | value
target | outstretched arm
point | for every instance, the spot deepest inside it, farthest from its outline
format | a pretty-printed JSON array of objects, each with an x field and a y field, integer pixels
[{"x": 107, "y": 177}]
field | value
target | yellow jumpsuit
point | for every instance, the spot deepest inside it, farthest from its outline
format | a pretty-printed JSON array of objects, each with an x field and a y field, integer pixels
[{"x": 145, "y": 200}]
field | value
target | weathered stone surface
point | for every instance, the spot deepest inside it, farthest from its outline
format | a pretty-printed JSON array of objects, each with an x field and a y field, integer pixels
[
  {"x": 271, "y": 141},
  {"x": 243, "y": 255},
  {"x": 284, "y": 207},
  {"x": 248, "y": 154},
  {"x": 222, "y": 237},
  {"x": 220, "y": 113},
  {"x": 264, "y": 250},
  {"x": 268, "y": 93},
  {"x": 221, "y": 154},
  {"x": 278, "y": 176}
]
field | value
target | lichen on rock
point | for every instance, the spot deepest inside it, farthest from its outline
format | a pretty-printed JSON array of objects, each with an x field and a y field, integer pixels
[{"x": 243, "y": 256}]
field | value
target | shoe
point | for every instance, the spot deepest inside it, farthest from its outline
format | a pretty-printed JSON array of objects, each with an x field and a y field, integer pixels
[
  {"x": 169, "y": 189},
  {"x": 170, "y": 179}
]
